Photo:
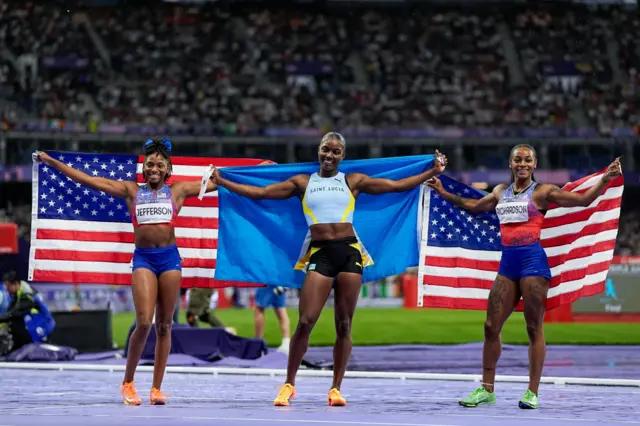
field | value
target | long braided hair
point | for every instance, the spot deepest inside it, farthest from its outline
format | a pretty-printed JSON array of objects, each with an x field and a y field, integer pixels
[{"x": 162, "y": 148}]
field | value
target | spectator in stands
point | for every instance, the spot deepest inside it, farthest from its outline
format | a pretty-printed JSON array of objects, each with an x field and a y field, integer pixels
[
  {"x": 28, "y": 317},
  {"x": 277, "y": 66}
]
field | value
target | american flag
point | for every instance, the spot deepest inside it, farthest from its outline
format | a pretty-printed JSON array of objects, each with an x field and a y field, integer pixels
[
  {"x": 83, "y": 236},
  {"x": 460, "y": 251}
]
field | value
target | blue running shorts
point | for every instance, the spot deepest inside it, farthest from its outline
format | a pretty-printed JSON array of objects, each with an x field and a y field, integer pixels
[
  {"x": 524, "y": 261},
  {"x": 158, "y": 259}
]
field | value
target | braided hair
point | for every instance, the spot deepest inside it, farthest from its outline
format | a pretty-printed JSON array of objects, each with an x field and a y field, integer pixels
[{"x": 161, "y": 147}]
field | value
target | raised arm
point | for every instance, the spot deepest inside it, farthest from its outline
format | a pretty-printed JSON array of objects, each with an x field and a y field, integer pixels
[
  {"x": 481, "y": 205},
  {"x": 362, "y": 183},
  {"x": 187, "y": 189},
  {"x": 277, "y": 191},
  {"x": 564, "y": 198},
  {"x": 120, "y": 189}
]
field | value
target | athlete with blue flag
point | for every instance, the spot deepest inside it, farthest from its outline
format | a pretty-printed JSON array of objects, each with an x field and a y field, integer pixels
[{"x": 332, "y": 250}]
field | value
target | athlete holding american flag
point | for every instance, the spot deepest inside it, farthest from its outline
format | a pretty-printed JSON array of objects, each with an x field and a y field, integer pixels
[
  {"x": 524, "y": 269},
  {"x": 157, "y": 266}
]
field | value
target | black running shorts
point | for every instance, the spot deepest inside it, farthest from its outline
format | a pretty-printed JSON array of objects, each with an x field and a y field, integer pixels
[{"x": 331, "y": 257}]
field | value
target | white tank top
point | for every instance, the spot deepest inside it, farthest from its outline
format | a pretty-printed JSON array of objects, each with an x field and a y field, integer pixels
[{"x": 328, "y": 200}]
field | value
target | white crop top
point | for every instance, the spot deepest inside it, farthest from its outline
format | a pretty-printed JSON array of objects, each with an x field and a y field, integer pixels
[
  {"x": 328, "y": 200},
  {"x": 153, "y": 207}
]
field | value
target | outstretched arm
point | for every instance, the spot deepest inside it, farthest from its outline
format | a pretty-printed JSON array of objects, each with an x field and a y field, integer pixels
[
  {"x": 187, "y": 189},
  {"x": 368, "y": 185},
  {"x": 481, "y": 205},
  {"x": 362, "y": 183},
  {"x": 120, "y": 189},
  {"x": 276, "y": 191},
  {"x": 564, "y": 198}
]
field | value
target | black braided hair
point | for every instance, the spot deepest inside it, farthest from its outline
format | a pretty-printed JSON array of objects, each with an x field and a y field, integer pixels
[
  {"x": 535, "y": 155},
  {"x": 162, "y": 148}
]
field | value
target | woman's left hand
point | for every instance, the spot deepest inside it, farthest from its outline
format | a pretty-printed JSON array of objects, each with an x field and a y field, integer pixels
[{"x": 613, "y": 171}]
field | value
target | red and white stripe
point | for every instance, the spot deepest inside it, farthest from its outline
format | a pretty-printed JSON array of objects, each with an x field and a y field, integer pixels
[
  {"x": 86, "y": 252},
  {"x": 579, "y": 243}
]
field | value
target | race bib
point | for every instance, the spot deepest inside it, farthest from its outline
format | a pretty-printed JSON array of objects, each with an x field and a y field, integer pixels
[
  {"x": 513, "y": 212},
  {"x": 152, "y": 213}
]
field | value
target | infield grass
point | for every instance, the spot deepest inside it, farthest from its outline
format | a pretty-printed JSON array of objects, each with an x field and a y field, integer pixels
[{"x": 391, "y": 326}]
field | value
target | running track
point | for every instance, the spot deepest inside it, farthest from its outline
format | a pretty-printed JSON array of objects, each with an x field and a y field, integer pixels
[{"x": 91, "y": 398}]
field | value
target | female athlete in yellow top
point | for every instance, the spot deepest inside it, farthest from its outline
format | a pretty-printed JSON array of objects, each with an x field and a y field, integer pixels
[{"x": 328, "y": 199}]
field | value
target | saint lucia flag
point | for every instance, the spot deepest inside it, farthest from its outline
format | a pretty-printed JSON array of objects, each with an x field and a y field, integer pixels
[{"x": 260, "y": 241}]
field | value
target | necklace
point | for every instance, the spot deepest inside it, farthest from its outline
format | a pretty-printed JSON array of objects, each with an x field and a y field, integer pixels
[{"x": 520, "y": 192}]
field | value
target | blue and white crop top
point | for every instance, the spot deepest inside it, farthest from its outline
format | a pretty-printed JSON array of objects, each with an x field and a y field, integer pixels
[
  {"x": 328, "y": 200},
  {"x": 153, "y": 207}
]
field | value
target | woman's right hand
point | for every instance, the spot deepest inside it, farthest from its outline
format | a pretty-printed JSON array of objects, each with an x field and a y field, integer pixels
[
  {"x": 215, "y": 176},
  {"x": 436, "y": 184}
]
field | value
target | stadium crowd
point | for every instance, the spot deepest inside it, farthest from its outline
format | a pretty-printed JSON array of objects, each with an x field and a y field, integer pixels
[
  {"x": 241, "y": 70},
  {"x": 628, "y": 242}
]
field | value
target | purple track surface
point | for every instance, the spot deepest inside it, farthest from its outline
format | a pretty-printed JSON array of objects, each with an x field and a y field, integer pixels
[
  {"x": 612, "y": 362},
  {"x": 77, "y": 398}
]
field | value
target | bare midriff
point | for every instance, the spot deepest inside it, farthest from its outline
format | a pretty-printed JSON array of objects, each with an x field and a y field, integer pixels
[
  {"x": 155, "y": 236},
  {"x": 331, "y": 231}
]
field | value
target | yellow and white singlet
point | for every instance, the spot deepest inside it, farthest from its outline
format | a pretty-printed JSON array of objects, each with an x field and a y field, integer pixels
[{"x": 328, "y": 200}]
